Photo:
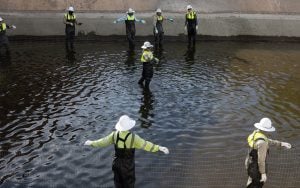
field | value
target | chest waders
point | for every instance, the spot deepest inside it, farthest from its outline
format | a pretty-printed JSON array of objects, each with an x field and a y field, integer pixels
[
  {"x": 191, "y": 27},
  {"x": 147, "y": 73},
  {"x": 3, "y": 37},
  {"x": 123, "y": 164},
  {"x": 253, "y": 168},
  {"x": 130, "y": 30},
  {"x": 159, "y": 36},
  {"x": 70, "y": 31}
]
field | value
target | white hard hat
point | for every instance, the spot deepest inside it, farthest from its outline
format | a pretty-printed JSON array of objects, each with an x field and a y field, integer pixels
[
  {"x": 130, "y": 10},
  {"x": 125, "y": 123},
  {"x": 147, "y": 45},
  {"x": 265, "y": 124},
  {"x": 71, "y": 9},
  {"x": 1, "y": 19},
  {"x": 158, "y": 10},
  {"x": 189, "y": 7}
]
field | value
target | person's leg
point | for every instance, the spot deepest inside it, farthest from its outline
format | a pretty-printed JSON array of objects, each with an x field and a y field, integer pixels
[
  {"x": 72, "y": 38},
  {"x": 161, "y": 38},
  {"x": 118, "y": 180},
  {"x": 128, "y": 172}
]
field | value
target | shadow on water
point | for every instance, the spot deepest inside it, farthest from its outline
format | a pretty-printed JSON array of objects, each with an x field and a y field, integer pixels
[{"x": 146, "y": 109}]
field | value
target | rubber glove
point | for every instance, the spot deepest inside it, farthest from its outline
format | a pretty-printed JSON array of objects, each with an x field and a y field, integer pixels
[
  {"x": 197, "y": 27},
  {"x": 14, "y": 27},
  {"x": 164, "y": 150},
  {"x": 79, "y": 24},
  {"x": 71, "y": 24},
  {"x": 156, "y": 31},
  {"x": 157, "y": 60},
  {"x": 286, "y": 145},
  {"x": 115, "y": 22},
  {"x": 143, "y": 21},
  {"x": 185, "y": 28},
  {"x": 88, "y": 143},
  {"x": 263, "y": 178},
  {"x": 171, "y": 19}
]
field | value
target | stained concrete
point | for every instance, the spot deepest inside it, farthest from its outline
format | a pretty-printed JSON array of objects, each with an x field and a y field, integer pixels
[{"x": 216, "y": 17}]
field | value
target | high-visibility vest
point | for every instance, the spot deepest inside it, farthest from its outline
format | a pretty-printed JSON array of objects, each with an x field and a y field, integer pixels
[
  {"x": 191, "y": 15},
  {"x": 255, "y": 136},
  {"x": 159, "y": 18},
  {"x": 70, "y": 18},
  {"x": 147, "y": 56},
  {"x": 130, "y": 18},
  {"x": 3, "y": 27}
]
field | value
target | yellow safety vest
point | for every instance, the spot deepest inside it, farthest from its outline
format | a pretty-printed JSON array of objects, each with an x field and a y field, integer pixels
[
  {"x": 70, "y": 17},
  {"x": 3, "y": 27},
  {"x": 160, "y": 18},
  {"x": 146, "y": 53},
  {"x": 191, "y": 15},
  {"x": 130, "y": 18},
  {"x": 256, "y": 135}
]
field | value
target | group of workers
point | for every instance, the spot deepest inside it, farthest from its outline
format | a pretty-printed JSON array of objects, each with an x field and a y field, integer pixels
[{"x": 124, "y": 141}]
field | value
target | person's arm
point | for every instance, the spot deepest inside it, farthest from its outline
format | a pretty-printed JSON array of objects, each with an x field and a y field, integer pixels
[
  {"x": 262, "y": 149},
  {"x": 274, "y": 142},
  {"x": 140, "y": 20},
  {"x": 140, "y": 143},
  {"x": 66, "y": 22},
  {"x": 186, "y": 21},
  {"x": 122, "y": 19},
  {"x": 103, "y": 142},
  {"x": 169, "y": 19},
  {"x": 11, "y": 26},
  {"x": 196, "y": 19}
]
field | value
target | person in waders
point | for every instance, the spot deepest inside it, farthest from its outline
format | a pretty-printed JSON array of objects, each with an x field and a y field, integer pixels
[
  {"x": 130, "y": 20},
  {"x": 158, "y": 29},
  {"x": 125, "y": 143},
  {"x": 70, "y": 21},
  {"x": 3, "y": 37},
  {"x": 259, "y": 149},
  {"x": 191, "y": 25},
  {"x": 148, "y": 60}
]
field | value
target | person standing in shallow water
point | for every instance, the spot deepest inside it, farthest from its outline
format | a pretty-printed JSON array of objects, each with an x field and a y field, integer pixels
[
  {"x": 70, "y": 21},
  {"x": 148, "y": 60},
  {"x": 125, "y": 143},
  {"x": 259, "y": 149},
  {"x": 158, "y": 29},
  {"x": 191, "y": 25},
  {"x": 130, "y": 20},
  {"x": 3, "y": 37}
]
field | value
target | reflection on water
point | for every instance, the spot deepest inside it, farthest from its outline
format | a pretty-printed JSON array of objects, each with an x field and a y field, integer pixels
[{"x": 202, "y": 105}]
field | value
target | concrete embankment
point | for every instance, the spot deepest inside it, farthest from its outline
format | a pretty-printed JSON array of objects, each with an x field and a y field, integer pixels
[{"x": 227, "y": 18}]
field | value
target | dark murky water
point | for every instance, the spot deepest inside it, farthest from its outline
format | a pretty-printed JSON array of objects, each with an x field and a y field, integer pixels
[{"x": 202, "y": 105}]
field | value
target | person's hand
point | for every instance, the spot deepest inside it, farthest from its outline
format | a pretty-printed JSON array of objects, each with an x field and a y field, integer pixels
[
  {"x": 143, "y": 21},
  {"x": 197, "y": 27},
  {"x": 164, "y": 150},
  {"x": 71, "y": 24},
  {"x": 14, "y": 27},
  {"x": 263, "y": 178},
  {"x": 156, "y": 31},
  {"x": 88, "y": 143},
  {"x": 156, "y": 60},
  {"x": 286, "y": 145},
  {"x": 171, "y": 20},
  {"x": 115, "y": 22},
  {"x": 79, "y": 24}
]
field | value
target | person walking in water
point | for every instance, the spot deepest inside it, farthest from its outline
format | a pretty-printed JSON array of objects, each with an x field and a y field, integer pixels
[
  {"x": 125, "y": 143},
  {"x": 70, "y": 21},
  {"x": 148, "y": 60},
  {"x": 130, "y": 20},
  {"x": 3, "y": 37},
  {"x": 191, "y": 25},
  {"x": 259, "y": 148},
  {"x": 158, "y": 30}
]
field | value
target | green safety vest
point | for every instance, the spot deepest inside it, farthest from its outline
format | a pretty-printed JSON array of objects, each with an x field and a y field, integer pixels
[
  {"x": 3, "y": 27},
  {"x": 70, "y": 18},
  {"x": 130, "y": 18},
  {"x": 191, "y": 15},
  {"x": 160, "y": 18},
  {"x": 256, "y": 135},
  {"x": 146, "y": 53}
]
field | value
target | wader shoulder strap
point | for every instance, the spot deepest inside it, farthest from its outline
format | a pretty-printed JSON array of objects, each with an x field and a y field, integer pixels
[{"x": 123, "y": 140}]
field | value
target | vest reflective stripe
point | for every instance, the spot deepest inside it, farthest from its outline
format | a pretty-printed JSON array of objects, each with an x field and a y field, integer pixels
[
  {"x": 256, "y": 135},
  {"x": 3, "y": 27},
  {"x": 70, "y": 17},
  {"x": 130, "y": 18},
  {"x": 191, "y": 15},
  {"x": 159, "y": 18},
  {"x": 147, "y": 54}
]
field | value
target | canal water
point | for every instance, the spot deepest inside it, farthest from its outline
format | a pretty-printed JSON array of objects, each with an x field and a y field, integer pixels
[{"x": 202, "y": 104}]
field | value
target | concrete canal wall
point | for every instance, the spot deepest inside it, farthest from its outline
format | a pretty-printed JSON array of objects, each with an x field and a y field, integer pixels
[{"x": 216, "y": 17}]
